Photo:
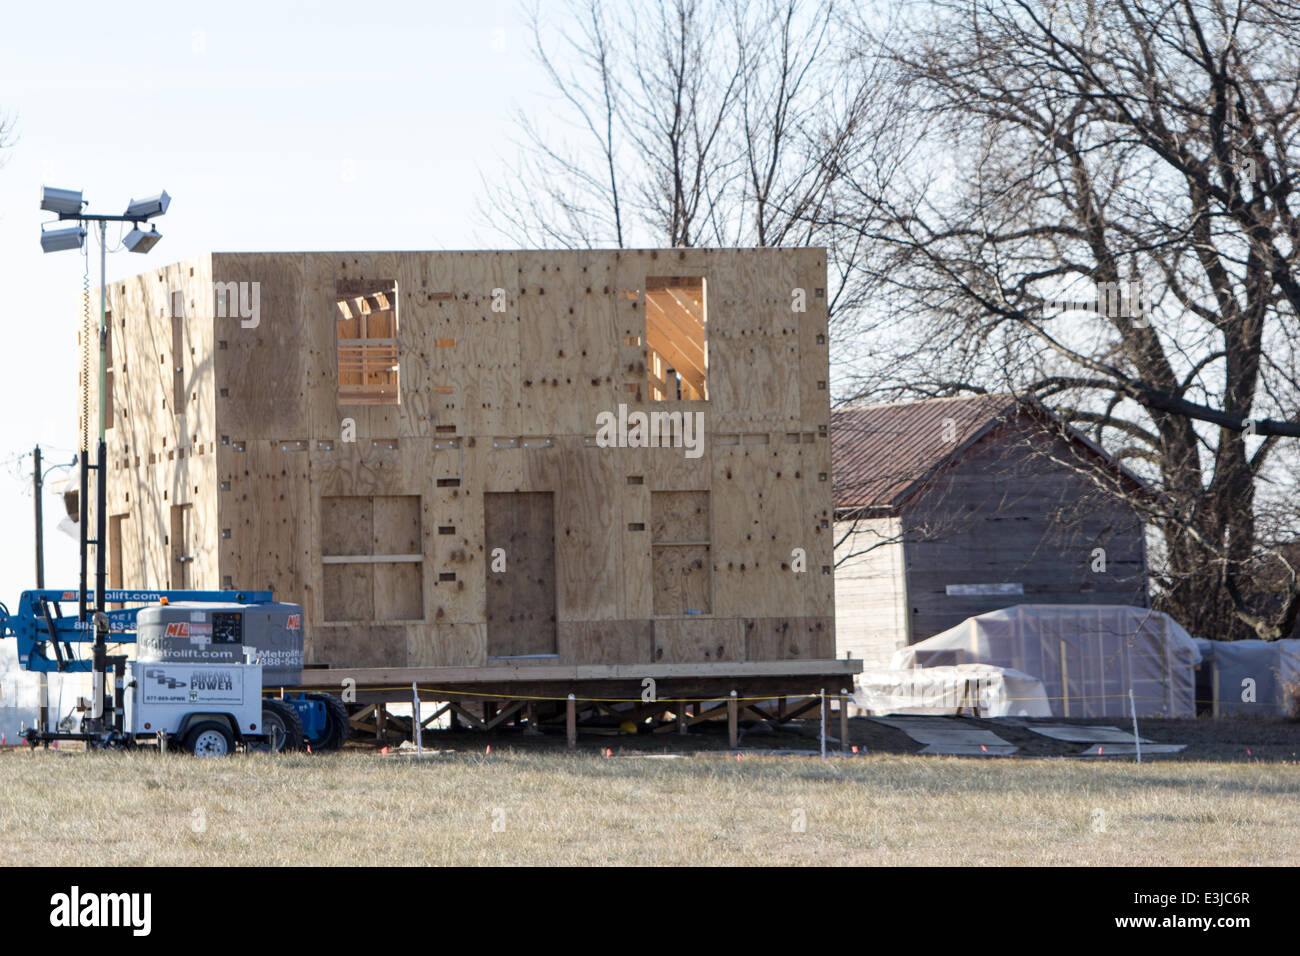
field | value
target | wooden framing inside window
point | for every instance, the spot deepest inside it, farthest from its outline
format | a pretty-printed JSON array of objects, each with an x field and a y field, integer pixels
[
  {"x": 676, "y": 322},
  {"x": 368, "y": 360}
]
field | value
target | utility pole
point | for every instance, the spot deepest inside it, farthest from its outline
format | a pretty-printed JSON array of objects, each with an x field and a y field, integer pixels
[{"x": 38, "y": 484}]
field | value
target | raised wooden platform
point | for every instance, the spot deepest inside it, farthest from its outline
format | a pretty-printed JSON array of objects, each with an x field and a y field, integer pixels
[
  {"x": 536, "y": 696},
  {"x": 510, "y": 680}
]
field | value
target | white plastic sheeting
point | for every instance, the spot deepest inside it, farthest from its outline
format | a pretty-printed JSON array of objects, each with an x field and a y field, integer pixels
[
  {"x": 1249, "y": 677},
  {"x": 981, "y": 689},
  {"x": 1088, "y": 657},
  {"x": 18, "y": 695}
]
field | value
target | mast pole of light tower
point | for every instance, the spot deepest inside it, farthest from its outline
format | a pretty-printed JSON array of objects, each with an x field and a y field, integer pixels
[
  {"x": 103, "y": 693},
  {"x": 67, "y": 204}
]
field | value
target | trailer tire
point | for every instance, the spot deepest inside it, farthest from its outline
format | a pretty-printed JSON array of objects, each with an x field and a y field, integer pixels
[
  {"x": 209, "y": 739},
  {"x": 337, "y": 726},
  {"x": 281, "y": 720}
]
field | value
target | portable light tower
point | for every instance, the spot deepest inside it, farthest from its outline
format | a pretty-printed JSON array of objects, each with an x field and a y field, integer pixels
[{"x": 68, "y": 205}]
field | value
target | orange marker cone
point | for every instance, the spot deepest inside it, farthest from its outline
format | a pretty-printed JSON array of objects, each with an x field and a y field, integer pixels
[
  {"x": 1098, "y": 750},
  {"x": 383, "y": 750},
  {"x": 608, "y": 752},
  {"x": 489, "y": 750}
]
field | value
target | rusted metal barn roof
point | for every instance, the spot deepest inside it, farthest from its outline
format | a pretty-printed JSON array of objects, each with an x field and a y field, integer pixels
[{"x": 881, "y": 453}]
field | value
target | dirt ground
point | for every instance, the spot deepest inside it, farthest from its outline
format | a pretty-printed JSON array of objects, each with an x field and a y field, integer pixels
[{"x": 1234, "y": 739}]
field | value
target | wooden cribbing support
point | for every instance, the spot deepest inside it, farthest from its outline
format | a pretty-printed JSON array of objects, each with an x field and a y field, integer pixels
[
  {"x": 733, "y": 727},
  {"x": 571, "y": 722}
]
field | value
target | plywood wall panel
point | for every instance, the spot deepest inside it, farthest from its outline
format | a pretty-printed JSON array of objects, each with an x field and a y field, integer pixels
[
  {"x": 504, "y": 464},
  {"x": 346, "y": 524},
  {"x": 606, "y": 642},
  {"x": 588, "y": 542},
  {"x": 370, "y": 467},
  {"x": 325, "y": 416},
  {"x": 361, "y": 645},
  {"x": 814, "y": 340},
  {"x": 349, "y": 592},
  {"x": 797, "y": 638},
  {"x": 475, "y": 348},
  {"x": 397, "y": 525},
  {"x": 266, "y": 517},
  {"x": 447, "y": 645},
  {"x": 568, "y": 342},
  {"x": 759, "y": 503},
  {"x": 521, "y": 585},
  {"x": 682, "y": 641},
  {"x": 399, "y": 592},
  {"x": 638, "y": 566},
  {"x": 262, "y": 373},
  {"x": 683, "y": 580},
  {"x": 456, "y": 503},
  {"x": 754, "y": 379},
  {"x": 680, "y": 516}
]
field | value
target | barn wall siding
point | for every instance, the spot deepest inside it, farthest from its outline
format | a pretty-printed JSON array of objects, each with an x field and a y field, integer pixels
[
  {"x": 870, "y": 590},
  {"x": 1006, "y": 513}
]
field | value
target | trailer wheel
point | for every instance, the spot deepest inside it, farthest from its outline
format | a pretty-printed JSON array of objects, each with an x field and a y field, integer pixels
[
  {"x": 209, "y": 739},
  {"x": 283, "y": 727},
  {"x": 337, "y": 726}
]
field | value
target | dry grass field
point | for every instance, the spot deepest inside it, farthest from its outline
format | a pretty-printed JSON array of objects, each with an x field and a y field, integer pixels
[{"x": 514, "y": 807}]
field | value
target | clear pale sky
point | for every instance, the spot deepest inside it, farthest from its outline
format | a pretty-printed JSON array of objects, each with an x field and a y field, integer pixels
[{"x": 276, "y": 126}]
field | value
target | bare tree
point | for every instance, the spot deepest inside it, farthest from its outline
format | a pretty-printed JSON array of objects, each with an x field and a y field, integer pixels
[
  {"x": 692, "y": 123},
  {"x": 1102, "y": 221},
  {"x": 8, "y": 127}
]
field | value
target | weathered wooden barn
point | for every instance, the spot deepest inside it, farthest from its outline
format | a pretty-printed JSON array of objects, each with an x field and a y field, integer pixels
[
  {"x": 525, "y": 468},
  {"x": 953, "y": 507}
]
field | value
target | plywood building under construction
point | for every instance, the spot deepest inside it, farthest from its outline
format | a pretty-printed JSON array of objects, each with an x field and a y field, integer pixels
[{"x": 441, "y": 455}]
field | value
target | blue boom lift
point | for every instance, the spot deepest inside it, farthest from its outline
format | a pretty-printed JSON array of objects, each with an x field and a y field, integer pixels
[{"x": 53, "y": 641}]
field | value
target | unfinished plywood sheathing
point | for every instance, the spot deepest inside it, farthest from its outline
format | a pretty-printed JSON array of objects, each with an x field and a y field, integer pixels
[{"x": 385, "y": 422}]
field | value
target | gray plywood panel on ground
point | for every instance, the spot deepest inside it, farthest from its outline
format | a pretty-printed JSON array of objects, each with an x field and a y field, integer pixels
[
  {"x": 944, "y": 736},
  {"x": 1083, "y": 735},
  {"x": 1118, "y": 749}
]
